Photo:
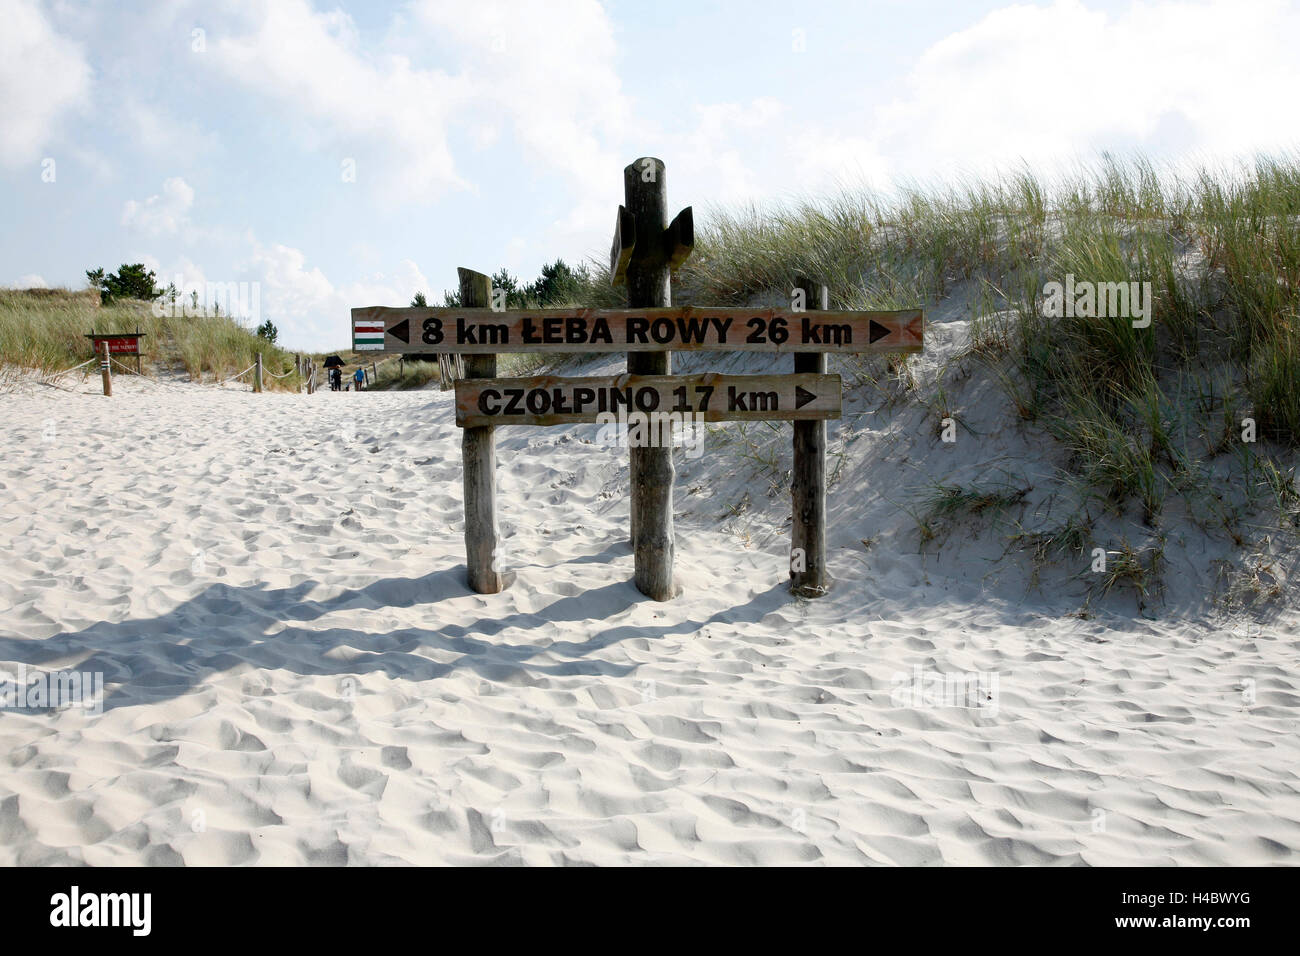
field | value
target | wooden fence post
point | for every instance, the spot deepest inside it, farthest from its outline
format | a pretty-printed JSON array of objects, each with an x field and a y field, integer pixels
[
  {"x": 651, "y": 474},
  {"x": 478, "y": 449},
  {"x": 257, "y": 373},
  {"x": 104, "y": 370},
  {"x": 374, "y": 373},
  {"x": 808, "y": 575}
]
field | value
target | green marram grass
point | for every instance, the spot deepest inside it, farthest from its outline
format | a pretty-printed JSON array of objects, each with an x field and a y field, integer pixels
[{"x": 45, "y": 330}]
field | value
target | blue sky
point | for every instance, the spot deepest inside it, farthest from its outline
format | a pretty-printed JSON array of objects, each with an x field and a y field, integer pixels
[{"x": 491, "y": 134}]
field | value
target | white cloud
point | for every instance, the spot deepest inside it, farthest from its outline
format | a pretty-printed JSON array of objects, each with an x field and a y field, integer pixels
[
  {"x": 42, "y": 76},
  {"x": 161, "y": 214},
  {"x": 158, "y": 133},
  {"x": 550, "y": 70},
  {"x": 354, "y": 101},
  {"x": 1047, "y": 83},
  {"x": 30, "y": 281},
  {"x": 546, "y": 74},
  {"x": 309, "y": 309}
]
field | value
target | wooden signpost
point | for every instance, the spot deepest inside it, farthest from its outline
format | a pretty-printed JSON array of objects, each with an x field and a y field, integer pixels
[
  {"x": 105, "y": 372},
  {"x": 479, "y": 456},
  {"x": 646, "y": 249}
]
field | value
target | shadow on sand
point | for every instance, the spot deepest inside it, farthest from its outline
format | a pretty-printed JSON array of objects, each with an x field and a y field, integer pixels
[{"x": 223, "y": 627}]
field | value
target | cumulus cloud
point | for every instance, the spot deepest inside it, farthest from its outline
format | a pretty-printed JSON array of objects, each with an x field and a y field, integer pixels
[
  {"x": 309, "y": 309},
  {"x": 548, "y": 70},
  {"x": 352, "y": 100},
  {"x": 43, "y": 76},
  {"x": 544, "y": 73},
  {"x": 30, "y": 281},
  {"x": 1042, "y": 83},
  {"x": 161, "y": 214}
]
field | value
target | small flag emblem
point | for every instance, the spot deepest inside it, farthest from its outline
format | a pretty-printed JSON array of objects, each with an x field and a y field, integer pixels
[{"x": 367, "y": 335}]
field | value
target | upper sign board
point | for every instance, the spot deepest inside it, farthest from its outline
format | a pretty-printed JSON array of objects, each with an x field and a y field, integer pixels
[{"x": 482, "y": 331}]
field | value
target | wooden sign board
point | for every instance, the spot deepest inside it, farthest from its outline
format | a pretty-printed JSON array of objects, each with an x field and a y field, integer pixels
[
  {"x": 482, "y": 331},
  {"x": 554, "y": 400},
  {"x": 119, "y": 343}
]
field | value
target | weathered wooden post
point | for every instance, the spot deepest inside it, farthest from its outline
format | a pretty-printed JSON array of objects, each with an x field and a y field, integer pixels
[
  {"x": 646, "y": 250},
  {"x": 257, "y": 373},
  {"x": 104, "y": 370},
  {"x": 478, "y": 448},
  {"x": 808, "y": 575},
  {"x": 374, "y": 373}
]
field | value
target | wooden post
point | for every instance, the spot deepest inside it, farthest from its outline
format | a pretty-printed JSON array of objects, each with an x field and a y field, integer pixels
[
  {"x": 478, "y": 448},
  {"x": 257, "y": 373},
  {"x": 104, "y": 370},
  {"x": 808, "y": 575},
  {"x": 649, "y": 285}
]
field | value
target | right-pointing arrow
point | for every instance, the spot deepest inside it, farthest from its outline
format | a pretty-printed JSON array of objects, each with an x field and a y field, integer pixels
[
  {"x": 402, "y": 330},
  {"x": 876, "y": 332},
  {"x": 802, "y": 396}
]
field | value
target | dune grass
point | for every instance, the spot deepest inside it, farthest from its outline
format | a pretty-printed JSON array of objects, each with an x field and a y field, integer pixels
[
  {"x": 405, "y": 376},
  {"x": 45, "y": 330},
  {"x": 1137, "y": 409},
  {"x": 412, "y": 374},
  {"x": 1142, "y": 414}
]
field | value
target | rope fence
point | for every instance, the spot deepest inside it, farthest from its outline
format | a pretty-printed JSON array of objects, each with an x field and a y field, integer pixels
[
  {"x": 73, "y": 369},
  {"x": 240, "y": 375},
  {"x": 309, "y": 378},
  {"x": 126, "y": 368}
]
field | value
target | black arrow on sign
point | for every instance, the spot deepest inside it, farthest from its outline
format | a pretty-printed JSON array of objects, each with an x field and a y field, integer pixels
[
  {"x": 876, "y": 331},
  {"x": 402, "y": 330},
  {"x": 802, "y": 396}
]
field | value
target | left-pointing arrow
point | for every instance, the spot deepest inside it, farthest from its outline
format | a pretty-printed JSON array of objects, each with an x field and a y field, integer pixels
[
  {"x": 802, "y": 396},
  {"x": 402, "y": 330}
]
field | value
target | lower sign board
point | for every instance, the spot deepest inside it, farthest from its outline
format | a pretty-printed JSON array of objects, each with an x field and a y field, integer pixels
[
  {"x": 550, "y": 400},
  {"x": 690, "y": 328}
]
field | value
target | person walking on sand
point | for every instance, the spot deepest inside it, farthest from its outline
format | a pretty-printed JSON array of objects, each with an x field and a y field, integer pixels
[
  {"x": 334, "y": 365},
  {"x": 358, "y": 378}
]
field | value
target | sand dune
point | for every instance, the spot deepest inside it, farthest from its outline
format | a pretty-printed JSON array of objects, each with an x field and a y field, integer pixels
[{"x": 294, "y": 673}]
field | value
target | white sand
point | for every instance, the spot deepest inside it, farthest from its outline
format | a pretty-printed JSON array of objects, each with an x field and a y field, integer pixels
[{"x": 295, "y": 673}]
